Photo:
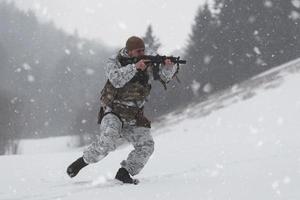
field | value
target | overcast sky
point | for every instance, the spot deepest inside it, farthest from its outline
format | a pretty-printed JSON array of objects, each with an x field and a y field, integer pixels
[{"x": 113, "y": 21}]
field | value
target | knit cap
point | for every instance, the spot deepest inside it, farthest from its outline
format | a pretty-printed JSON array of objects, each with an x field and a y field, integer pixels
[{"x": 134, "y": 42}]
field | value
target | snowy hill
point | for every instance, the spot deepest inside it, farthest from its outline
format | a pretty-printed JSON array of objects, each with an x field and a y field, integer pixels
[{"x": 242, "y": 143}]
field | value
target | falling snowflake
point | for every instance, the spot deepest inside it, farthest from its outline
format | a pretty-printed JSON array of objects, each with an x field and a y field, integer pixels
[
  {"x": 67, "y": 51},
  {"x": 261, "y": 62},
  {"x": 91, "y": 52},
  {"x": 89, "y": 71},
  {"x": 26, "y": 66},
  {"x": 294, "y": 15},
  {"x": 13, "y": 101},
  {"x": 30, "y": 78},
  {"x": 296, "y": 3},
  {"x": 18, "y": 70},
  {"x": 256, "y": 50},
  {"x": 252, "y": 19},
  {"x": 195, "y": 87},
  {"x": 280, "y": 121},
  {"x": 286, "y": 180},
  {"x": 207, "y": 88},
  {"x": 260, "y": 143},
  {"x": 122, "y": 25},
  {"x": 45, "y": 11},
  {"x": 37, "y": 6},
  {"x": 275, "y": 185},
  {"x": 268, "y": 4},
  {"x": 80, "y": 45},
  {"x": 207, "y": 59}
]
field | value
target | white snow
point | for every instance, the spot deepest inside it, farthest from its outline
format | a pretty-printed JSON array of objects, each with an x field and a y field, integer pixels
[
  {"x": 90, "y": 71},
  {"x": 268, "y": 3},
  {"x": 294, "y": 15},
  {"x": 18, "y": 70},
  {"x": 195, "y": 86},
  {"x": 67, "y": 51},
  {"x": 26, "y": 66},
  {"x": 91, "y": 52},
  {"x": 122, "y": 25},
  {"x": 47, "y": 145},
  {"x": 30, "y": 78},
  {"x": 207, "y": 59},
  {"x": 207, "y": 88},
  {"x": 256, "y": 50},
  {"x": 242, "y": 143},
  {"x": 296, "y": 3}
]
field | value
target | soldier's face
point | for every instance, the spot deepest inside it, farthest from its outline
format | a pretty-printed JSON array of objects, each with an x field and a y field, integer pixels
[{"x": 136, "y": 52}]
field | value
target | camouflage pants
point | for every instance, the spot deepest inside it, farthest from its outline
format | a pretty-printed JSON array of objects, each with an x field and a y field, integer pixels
[{"x": 112, "y": 135}]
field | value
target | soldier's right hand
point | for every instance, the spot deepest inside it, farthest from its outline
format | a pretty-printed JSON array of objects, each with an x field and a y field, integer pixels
[{"x": 141, "y": 65}]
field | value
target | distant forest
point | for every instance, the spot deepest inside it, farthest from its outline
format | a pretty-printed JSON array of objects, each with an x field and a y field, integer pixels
[{"x": 49, "y": 80}]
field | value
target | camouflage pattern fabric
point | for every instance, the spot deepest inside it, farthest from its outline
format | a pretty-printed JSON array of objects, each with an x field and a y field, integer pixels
[
  {"x": 113, "y": 135},
  {"x": 119, "y": 75}
]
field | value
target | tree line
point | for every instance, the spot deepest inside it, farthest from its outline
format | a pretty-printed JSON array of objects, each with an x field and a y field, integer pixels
[{"x": 47, "y": 78}]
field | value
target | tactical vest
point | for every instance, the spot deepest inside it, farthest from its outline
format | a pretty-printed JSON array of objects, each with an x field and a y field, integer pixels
[{"x": 137, "y": 89}]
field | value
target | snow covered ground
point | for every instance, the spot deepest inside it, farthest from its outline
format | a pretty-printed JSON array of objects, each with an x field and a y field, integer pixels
[
  {"x": 242, "y": 143},
  {"x": 47, "y": 145}
]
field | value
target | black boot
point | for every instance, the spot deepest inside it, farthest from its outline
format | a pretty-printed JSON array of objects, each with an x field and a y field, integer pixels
[
  {"x": 124, "y": 176},
  {"x": 75, "y": 167}
]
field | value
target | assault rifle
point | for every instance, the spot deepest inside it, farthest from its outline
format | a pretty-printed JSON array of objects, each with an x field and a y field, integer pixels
[{"x": 154, "y": 61}]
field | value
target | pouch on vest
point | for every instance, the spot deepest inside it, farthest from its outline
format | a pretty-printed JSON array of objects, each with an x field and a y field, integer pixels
[
  {"x": 133, "y": 92},
  {"x": 131, "y": 113},
  {"x": 142, "y": 121},
  {"x": 108, "y": 94}
]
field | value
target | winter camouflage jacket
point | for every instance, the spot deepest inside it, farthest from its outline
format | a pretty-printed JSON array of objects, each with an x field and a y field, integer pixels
[
  {"x": 127, "y": 89},
  {"x": 119, "y": 75}
]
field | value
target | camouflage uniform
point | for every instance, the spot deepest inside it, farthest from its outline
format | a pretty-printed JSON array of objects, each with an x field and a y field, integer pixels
[{"x": 118, "y": 127}]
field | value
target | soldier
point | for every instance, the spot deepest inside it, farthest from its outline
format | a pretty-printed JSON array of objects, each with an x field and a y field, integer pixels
[{"x": 121, "y": 115}]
